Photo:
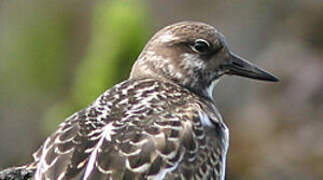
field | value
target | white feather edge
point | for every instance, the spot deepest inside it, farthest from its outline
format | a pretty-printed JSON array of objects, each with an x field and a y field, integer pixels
[{"x": 106, "y": 134}]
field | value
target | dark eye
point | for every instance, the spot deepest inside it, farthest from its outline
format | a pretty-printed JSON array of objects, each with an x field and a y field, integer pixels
[{"x": 201, "y": 46}]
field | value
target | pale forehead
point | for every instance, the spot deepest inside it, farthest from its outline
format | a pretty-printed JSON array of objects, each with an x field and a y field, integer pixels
[{"x": 188, "y": 31}]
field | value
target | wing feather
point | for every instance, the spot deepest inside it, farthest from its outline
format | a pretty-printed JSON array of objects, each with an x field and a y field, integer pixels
[{"x": 163, "y": 135}]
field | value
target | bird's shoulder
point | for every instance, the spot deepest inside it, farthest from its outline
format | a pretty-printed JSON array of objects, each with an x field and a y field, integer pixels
[{"x": 137, "y": 127}]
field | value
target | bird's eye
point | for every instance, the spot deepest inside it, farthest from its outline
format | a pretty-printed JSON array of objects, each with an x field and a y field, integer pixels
[{"x": 201, "y": 46}]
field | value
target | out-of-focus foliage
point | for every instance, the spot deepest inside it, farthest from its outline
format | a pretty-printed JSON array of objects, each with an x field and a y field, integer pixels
[
  {"x": 32, "y": 46},
  {"x": 118, "y": 33}
]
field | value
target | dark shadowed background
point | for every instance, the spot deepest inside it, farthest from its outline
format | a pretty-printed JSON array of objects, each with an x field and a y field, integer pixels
[{"x": 58, "y": 56}]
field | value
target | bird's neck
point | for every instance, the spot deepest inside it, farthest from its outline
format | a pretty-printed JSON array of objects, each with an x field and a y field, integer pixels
[
  {"x": 210, "y": 89},
  {"x": 205, "y": 91}
]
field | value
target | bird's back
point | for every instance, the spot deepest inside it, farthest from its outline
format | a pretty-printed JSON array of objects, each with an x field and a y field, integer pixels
[{"x": 139, "y": 129}]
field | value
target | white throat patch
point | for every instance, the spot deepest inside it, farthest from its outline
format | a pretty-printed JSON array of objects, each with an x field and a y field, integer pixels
[{"x": 210, "y": 89}]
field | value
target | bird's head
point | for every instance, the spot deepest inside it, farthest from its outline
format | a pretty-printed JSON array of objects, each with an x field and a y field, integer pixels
[{"x": 194, "y": 55}]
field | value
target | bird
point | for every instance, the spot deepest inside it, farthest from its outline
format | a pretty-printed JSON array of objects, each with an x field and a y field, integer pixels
[{"x": 160, "y": 123}]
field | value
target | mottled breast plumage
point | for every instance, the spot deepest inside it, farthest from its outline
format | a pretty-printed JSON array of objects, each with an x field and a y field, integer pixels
[{"x": 139, "y": 129}]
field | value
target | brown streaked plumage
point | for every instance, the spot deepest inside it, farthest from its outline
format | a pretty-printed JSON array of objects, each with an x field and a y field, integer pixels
[{"x": 161, "y": 123}]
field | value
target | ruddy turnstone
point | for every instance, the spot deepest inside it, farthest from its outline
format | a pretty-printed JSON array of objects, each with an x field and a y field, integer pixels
[{"x": 161, "y": 123}]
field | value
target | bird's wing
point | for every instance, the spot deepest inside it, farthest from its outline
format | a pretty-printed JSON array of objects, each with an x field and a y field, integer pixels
[
  {"x": 65, "y": 150},
  {"x": 150, "y": 140}
]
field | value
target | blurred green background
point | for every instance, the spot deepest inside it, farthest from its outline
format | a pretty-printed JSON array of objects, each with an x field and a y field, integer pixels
[{"x": 58, "y": 56}]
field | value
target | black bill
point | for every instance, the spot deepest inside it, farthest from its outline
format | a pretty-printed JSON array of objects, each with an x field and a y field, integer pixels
[{"x": 241, "y": 67}]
